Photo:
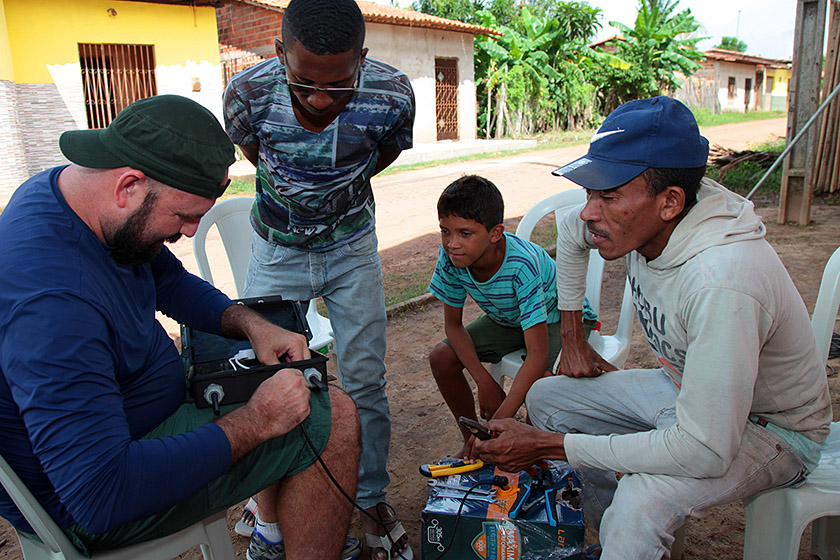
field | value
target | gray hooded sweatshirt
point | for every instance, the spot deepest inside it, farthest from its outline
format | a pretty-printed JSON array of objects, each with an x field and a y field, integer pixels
[{"x": 728, "y": 326}]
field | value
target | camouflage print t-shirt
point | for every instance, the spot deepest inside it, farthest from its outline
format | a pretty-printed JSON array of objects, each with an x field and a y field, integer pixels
[{"x": 313, "y": 189}]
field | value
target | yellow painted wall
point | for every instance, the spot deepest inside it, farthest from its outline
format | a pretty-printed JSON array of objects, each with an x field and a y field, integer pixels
[
  {"x": 47, "y": 32},
  {"x": 6, "y": 70},
  {"x": 780, "y": 87}
]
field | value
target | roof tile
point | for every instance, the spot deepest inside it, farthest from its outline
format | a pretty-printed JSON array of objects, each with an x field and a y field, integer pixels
[{"x": 380, "y": 13}]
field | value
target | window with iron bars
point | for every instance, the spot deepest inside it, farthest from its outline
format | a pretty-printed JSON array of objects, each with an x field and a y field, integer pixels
[{"x": 113, "y": 77}]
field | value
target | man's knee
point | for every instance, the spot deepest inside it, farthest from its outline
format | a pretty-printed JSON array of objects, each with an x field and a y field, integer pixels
[
  {"x": 541, "y": 401},
  {"x": 345, "y": 417}
]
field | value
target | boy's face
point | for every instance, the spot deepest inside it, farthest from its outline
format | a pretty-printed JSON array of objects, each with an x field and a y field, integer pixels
[{"x": 466, "y": 241}]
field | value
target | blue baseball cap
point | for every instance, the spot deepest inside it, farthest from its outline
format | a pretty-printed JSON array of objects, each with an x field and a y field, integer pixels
[{"x": 655, "y": 132}]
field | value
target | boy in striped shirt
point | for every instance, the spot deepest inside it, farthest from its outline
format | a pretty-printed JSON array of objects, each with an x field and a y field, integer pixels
[{"x": 513, "y": 281}]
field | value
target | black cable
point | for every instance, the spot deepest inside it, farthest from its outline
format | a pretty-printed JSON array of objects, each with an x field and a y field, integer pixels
[
  {"x": 347, "y": 496},
  {"x": 496, "y": 481},
  {"x": 834, "y": 346}
]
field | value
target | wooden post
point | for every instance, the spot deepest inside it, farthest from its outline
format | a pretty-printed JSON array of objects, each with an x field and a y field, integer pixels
[
  {"x": 803, "y": 100},
  {"x": 826, "y": 161}
]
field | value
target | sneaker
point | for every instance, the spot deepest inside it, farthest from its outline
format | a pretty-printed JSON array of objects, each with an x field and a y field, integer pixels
[
  {"x": 259, "y": 549},
  {"x": 352, "y": 548}
]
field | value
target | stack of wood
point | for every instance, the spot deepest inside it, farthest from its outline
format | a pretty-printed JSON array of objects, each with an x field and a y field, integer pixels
[
  {"x": 726, "y": 159},
  {"x": 826, "y": 172}
]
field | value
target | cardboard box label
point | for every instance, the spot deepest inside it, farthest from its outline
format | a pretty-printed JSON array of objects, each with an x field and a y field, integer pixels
[{"x": 498, "y": 540}]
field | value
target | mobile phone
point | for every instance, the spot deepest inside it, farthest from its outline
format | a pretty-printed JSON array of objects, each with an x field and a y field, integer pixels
[{"x": 475, "y": 428}]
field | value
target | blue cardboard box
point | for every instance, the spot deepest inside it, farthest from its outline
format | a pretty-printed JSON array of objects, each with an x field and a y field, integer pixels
[{"x": 466, "y": 519}]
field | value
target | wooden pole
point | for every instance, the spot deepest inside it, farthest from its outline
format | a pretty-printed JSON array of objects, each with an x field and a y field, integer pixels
[{"x": 803, "y": 100}]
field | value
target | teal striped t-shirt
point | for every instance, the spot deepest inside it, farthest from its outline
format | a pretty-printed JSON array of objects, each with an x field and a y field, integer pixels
[{"x": 522, "y": 293}]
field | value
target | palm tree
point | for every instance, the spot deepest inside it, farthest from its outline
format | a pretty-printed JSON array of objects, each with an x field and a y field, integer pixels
[
  {"x": 519, "y": 62},
  {"x": 651, "y": 53}
]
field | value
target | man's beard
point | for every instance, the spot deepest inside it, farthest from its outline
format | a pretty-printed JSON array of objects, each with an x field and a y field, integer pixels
[{"x": 127, "y": 247}]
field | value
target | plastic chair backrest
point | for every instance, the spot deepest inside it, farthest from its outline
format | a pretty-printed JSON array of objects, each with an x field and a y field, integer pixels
[
  {"x": 828, "y": 301},
  {"x": 561, "y": 203},
  {"x": 232, "y": 219},
  {"x": 614, "y": 348}
]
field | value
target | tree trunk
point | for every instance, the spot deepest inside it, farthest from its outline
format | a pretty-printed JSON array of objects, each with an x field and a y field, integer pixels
[
  {"x": 489, "y": 124},
  {"x": 501, "y": 112}
]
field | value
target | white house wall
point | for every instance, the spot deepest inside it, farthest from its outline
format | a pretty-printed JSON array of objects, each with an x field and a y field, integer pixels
[
  {"x": 741, "y": 72},
  {"x": 413, "y": 50}
]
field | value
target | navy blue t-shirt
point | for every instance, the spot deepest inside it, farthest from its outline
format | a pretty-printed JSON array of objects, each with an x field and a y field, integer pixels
[{"x": 86, "y": 369}]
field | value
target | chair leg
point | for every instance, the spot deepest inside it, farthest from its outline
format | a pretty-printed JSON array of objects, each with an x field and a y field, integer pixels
[
  {"x": 773, "y": 526},
  {"x": 678, "y": 548},
  {"x": 825, "y": 538},
  {"x": 219, "y": 546}
]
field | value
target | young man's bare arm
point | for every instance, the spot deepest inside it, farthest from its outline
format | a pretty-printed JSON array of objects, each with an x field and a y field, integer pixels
[
  {"x": 251, "y": 152},
  {"x": 534, "y": 367},
  {"x": 490, "y": 394}
]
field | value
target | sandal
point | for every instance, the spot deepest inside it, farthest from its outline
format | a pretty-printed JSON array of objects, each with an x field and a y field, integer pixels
[
  {"x": 245, "y": 526},
  {"x": 386, "y": 542},
  {"x": 592, "y": 552}
]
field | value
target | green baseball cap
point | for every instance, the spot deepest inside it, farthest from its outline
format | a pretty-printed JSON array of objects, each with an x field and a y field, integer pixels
[{"x": 170, "y": 138}]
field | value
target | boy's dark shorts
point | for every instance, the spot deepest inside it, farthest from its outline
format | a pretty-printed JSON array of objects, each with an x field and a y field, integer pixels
[
  {"x": 269, "y": 462},
  {"x": 493, "y": 341}
]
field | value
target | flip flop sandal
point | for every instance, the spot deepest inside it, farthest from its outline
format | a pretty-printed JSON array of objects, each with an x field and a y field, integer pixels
[
  {"x": 383, "y": 542},
  {"x": 592, "y": 552},
  {"x": 245, "y": 526}
]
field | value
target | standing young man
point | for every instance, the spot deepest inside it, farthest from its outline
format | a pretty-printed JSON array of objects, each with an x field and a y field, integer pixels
[
  {"x": 741, "y": 402},
  {"x": 318, "y": 121}
]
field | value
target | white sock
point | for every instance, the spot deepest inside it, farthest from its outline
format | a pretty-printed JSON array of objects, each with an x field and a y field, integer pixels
[
  {"x": 269, "y": 531},
  {"x": 251, "y": 505}
]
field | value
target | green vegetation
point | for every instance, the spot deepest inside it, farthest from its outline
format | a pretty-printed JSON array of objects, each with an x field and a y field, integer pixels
[
  {"x": 242, "y": 185},
  {"x": 649, "y": 56},
  {"x": 539, "y": 73},
  {"x": 732, "y": 44},
  {"x": 406, "y": 282},
  {"x": 707, "y": 118}
]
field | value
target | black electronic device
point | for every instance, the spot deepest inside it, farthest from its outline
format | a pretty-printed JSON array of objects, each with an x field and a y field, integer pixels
[
  {"x": 477, "y": 429},
  {"x": 224, "y": 371}
]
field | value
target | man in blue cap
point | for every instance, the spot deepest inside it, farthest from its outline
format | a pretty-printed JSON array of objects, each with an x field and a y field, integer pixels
[
  {"x": 92, "y": 387},
  {"x": 741, "y": 402}
]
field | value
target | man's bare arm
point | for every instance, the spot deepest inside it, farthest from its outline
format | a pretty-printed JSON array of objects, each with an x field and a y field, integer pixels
[
  {"x": 251, "y": 152},
  {"x": 578, "y": 359},
  {"x": 271, "y": 343}
]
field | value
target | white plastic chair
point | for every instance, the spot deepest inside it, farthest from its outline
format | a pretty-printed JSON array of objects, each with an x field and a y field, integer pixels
[
  {"x": 775, "y": 519},
  {"x": 232, "y": 219},
  {"x": 613, "y": 348},
  {"x": 211, "y": 534}
]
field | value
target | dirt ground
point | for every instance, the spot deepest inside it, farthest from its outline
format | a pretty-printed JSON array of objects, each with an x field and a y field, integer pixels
[{"x": 423, "y": 429}]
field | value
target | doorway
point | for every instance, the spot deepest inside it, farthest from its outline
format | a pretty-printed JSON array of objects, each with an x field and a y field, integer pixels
[{"x": 446, "y": 98}]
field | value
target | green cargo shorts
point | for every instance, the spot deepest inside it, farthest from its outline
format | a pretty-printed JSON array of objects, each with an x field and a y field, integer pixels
[
  {"x": 493, "y": 341},
  {"x": 269, "y": 462}
]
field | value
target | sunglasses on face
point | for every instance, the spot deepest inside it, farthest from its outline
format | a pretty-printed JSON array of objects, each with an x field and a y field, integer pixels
[{"x": 334, "y": 92}]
